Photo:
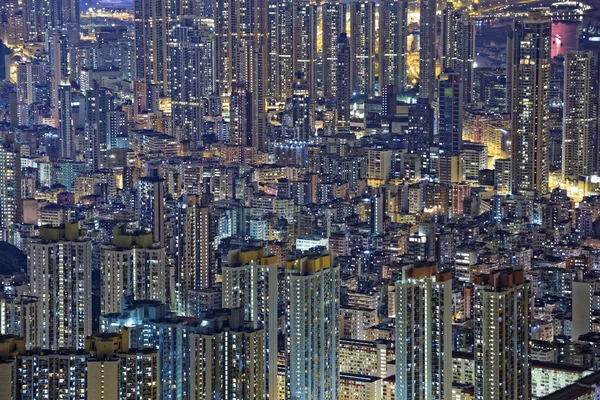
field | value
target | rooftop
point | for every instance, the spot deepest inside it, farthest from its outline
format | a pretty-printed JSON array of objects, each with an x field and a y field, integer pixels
[{"x": 583, "y": 386}]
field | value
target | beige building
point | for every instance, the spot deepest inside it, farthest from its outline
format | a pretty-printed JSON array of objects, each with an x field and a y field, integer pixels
[
  {"x": 114, "y": 372},
  {"x": 359, "y": 387},
  {"x": 424, "y": 333},
  {"x": 355, "y": 321},
  {"x": 132, "y": 266},
  {"x": 379, "y": 165},
  {"x": 106, "y": 369},
  {"x": 250, "y": 282},
  {"x": 60, "y": 271},
  {"x": 227, "y": 360},
  {"x": 501, "y": 314}
]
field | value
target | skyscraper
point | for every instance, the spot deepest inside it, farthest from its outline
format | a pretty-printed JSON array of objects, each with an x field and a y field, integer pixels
[
  {"x": 11, "y": 26},
  {"x": 334, "y": 24},
  {"x": 301, "y": 110},
  {"x": 36, "y": 20},
  {"x": 420, "y": 130},
  {"x": 427, "y": 29},
  {"x": 458, "y": 47},
  {"x": 450, "y": 113},
  {"x": 191, "y": 52},
  {"x": 242, "y": 57},
  {"x": 579, "y": 118},
  {"x": 192, "y": 249},
  {"x": 10, "y": 183},
  {"x": 239, "y": 28},
  {"x": 312, "y": 328},
  {"x": 501, "y": 315},
  {"x": 66, "y": 132},
  {"x": 151, "y": 327},
  {"x": 424, "y": 334},
  {"x": 150, "y": 53},
  {"x": 227, "y": 359},
  {"x": 250, "y": 282},
  {"x": 64, "y": 14},
  {"x": 392, "y": 44},
  {"x": 528, "y": 64},
  {"x": 283, "y": 49},
  {"x": 150, "y": 207},
  {"x": 41, "y": 373},
  {"x": 240, "y": 116},
  {"x": 376, "y": 217},
  {"x": 132, "y": 266},
  {"x": 362, "y": 47},
  {"x": 19, "y": 317},
  {"x": 304, "y": 57},
  {"x": 343, "y": 89},
  {"x": 58, "y": 50},
  {"x": 116, "y": 372},
  {"x": 99, "y": 102},
  {"x": 60, "y": 267}
]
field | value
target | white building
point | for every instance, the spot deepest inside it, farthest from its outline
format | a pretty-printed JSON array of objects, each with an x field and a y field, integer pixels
[
  {"x": 501, "y": 315},
  {"x": 250, "y": 282},
  {"x": 132, "y": 267},
  {"x": 424, "y": 334},
  {"x": 60, "y": 273},
  {"x": 305, "y": 243},
  {"x": 312, "y": 328}
]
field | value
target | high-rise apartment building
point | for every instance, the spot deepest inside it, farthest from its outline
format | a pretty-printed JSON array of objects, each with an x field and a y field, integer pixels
[
  {"x": 40, "y": 373},
  {"x": 152, "y": 327},
  {"x": 60, "y": 270},
  {"x": 10, "y": 183},
  {"x": 240, "y": 116},
  {"x": 11, "y": 27},
  {"x": 427, "y": 28},
  {"x": 132, "y": 266},
  {"x": 450, "y": 113},
  {"x": 227, "y": 359},
  {"x": 579, "y": 116},
  {"x": 105, "y": 369},
  {"x": 215, "y": 356},
  {"x": 379, "y": 165},
  {"x": 116, "y": 372},
  {"x": 420, "y": 130},
  {"x": 392, "y": 44},
  {"x": 501, "y": 314},
  {"x": 19, "y": 317},
  {"x": 301, "y": 124},
  {"x": 281, "y": 48},
  {"x": 304, "y": 45},
  {"x": 150, "y": 207},
  {"x": 192, "y": 236},
  {"x": 36, "y": 20},
  {"x": 58, "y": 61},
  {"x": 312, "y": 285},
  {"x": 343, "y": 90},
  {"x": 458, "y": 47},
  {"x": 334, "y": 24},
  {"x": 191, "y": 52},
  {"x": 241, "y": 57},
  {"x": 66, "y": 131},
  {"x": 528, "y": 64},
  {"x": 250, "y": 282},
  {"x": 150, "y": 53},
  {"x": 64, "y": 14},
  {"x": 30, "y": 75},
  {"x": 362, "y": 46},
  {"x": 238, "y": 28},
  {"x": 99, "y": 103},
  {"x": 424, "y": 333}
]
